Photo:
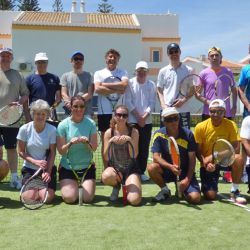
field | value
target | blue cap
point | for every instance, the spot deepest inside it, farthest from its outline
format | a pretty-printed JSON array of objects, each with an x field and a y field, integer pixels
[
  {"x": 173, "y": 46},
  {"x": 77, "y": 53}
]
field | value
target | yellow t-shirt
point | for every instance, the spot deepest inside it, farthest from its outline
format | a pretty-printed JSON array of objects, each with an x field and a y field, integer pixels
[{"x": 206, "y": 134}]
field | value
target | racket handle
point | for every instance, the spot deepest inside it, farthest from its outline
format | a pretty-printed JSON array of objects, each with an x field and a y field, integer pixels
[
  {"x": 178, "y": 189},
  {"x": 80, "y": 196},
  {"x": 124, "y": 195}
]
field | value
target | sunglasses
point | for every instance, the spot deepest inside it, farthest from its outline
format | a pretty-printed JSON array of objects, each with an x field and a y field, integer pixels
[
  {"x": 142, "y": 69},
  {"x": 78, "y": 106},
  {"x": 171, "y": 119},
  {"x": 214, "y": 49},
  {"x": 172, "y": 52},
  {"x": 78, "y": 59},
  {"x": 218, "y": 112},
  {"x": 121, "y": 115}
]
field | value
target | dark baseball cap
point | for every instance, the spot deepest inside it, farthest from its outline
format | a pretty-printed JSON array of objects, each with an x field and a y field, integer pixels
[
  {"x": 173, "y": 46},
  {"x": 77, "y": 53}
]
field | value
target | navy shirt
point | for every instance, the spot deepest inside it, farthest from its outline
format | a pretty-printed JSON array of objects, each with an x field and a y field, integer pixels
[
  {"x": 186, "y": 143},
  {"x": 43, "y": 87}
]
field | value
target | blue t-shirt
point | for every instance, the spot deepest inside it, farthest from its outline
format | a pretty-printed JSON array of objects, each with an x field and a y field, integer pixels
[
  {"x": 244, "y": 81},
  {"x": 186, "y": 143},
  {"x": 43, "y": 87},
  {"x": 79, "y": 154}
]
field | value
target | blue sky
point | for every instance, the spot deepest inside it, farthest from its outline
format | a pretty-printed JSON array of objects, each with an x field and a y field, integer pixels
[{"x": 202, "y": 24}]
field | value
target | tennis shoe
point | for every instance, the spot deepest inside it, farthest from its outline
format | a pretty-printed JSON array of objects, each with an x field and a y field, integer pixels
[
  {"x": 16, "y": 183},
  {"x": 115, "y": 194},
  {"x": 144, "y": 177},
  {"x": 237, "y": 197},
  {"x": 163, "y": 195}
]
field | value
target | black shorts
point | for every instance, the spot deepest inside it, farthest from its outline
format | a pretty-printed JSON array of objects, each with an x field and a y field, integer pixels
[
  {"x": 1, "y": 141},
  {"x": 104, "y": 122},
  {"x": 9, "y": 137},
  {"x": 132, "y": 169},
  {"x": 28, "y": 172},
  {"x": 69, "y": 174}
]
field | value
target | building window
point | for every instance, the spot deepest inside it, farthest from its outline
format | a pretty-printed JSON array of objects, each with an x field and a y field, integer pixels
[{"x": 155, "y": 54}]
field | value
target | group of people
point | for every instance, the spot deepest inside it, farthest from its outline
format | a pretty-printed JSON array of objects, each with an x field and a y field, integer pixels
[{"x": 128, "y": 120}]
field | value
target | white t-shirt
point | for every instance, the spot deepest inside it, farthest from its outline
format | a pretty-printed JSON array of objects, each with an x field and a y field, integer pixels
[
  {"x": 169, "y": 79},
  {"x": 245, "y": 132},
  {"x": 36, "y": 143},
  {"x": 141, "y": 97},
  {"x": 104, "y": 105}
]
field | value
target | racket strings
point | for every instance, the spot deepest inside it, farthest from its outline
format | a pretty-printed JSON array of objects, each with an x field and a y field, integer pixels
[{"x": 10, "y": 114}]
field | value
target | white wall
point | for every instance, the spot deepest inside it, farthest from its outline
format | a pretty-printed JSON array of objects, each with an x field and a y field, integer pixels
[
  {"x": 59, "y": 45},
  {"x": 6, "y": 18}
]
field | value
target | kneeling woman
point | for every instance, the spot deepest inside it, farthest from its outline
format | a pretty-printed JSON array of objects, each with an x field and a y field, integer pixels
[
  {"x": 121, "y": 142},
  {"x": 36, "y": 142},
  {"x": 76, "y": 139}
]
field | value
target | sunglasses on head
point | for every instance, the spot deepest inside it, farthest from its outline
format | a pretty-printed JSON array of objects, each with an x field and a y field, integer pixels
[
  {"x": 172, "y": 52},
  {"x": 171, "y": 118},
  {"x": 218, "y": 111},
  {"x": 121, "y": 115},
  {"x": 78, "y": 59},
  {"x": 78, "y": 106}
]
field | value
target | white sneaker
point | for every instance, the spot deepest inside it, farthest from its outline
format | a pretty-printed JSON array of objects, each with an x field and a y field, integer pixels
[
  {"x": 115, "y": 194},
  {"x": 244, "y": 178},
  {"x": 144, "y": 177},
  {"x": 16, "y": 183},
  {"x": 162, "y": 195}
]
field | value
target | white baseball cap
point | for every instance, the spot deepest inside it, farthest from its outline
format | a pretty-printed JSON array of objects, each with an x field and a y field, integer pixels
[
  {"x": 41, "y": 57},
  {"x": 169, "y": 111},
  {"x": 141, "y": 64},
  {"x": 9, "y": 50},
  {"x": 217, "y": 103}
]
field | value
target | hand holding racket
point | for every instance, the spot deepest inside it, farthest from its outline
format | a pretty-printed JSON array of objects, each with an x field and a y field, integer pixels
[
  {"x": 11, "y": 114},
  {"x": 186, "y": 89},
  {"x": 113, "y": 98},
  {"x": 223, "y": 153},
  {"x": 122, "y": 159},
  {"x": 34, "y": 192},
  {"x": 175, "y": 156},
  {"x": 82, "y": 172}
]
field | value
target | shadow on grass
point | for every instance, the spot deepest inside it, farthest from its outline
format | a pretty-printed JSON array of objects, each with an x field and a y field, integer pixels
[{"x": 7, "y": 203}]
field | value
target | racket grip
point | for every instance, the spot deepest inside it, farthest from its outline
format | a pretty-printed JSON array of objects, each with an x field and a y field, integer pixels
[
  {"x": 80, "y": 196},
  {"x": 124, "y": 195},
  {"x": 178, "y": 189}
]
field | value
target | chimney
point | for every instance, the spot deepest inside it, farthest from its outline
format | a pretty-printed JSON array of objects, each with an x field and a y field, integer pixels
[
  {"x": 73, "y": 6},
  {"x": 82, "y": 6}
]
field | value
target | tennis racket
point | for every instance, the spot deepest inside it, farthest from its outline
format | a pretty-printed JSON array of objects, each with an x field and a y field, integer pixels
[
  {"x": 223, "y": 87},
  {"x": 82, "y": 172},
  {"x": 223, "y": 153},
  {"x": 34, "y": 192},
  {"x": 187, "y": 87},
  {"x": 113, "y": 98},
  {"x": 10, "y": 114},
  {"x": 175, "y": 156},
  {"x": 122, "y": 158}
]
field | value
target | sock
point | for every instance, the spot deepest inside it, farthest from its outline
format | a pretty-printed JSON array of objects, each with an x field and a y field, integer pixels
[
  {"x": 13, "y": 176},
  {"x": 234, "y": 187}
]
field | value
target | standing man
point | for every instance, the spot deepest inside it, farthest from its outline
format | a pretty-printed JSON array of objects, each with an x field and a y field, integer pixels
[
  {"x": 140, "y": 99},
  {"x": 163, "y": 170},
  {"x": 77, "y": 82},
  {"x": 206, "y": 133},
  {"x": 168, "y": 83},
  {"x": 103, "y": 89},
  {"x": 208, "y": 78},
  {"x": 42, "y": 84},
  {"x": 13, "y": 90}
]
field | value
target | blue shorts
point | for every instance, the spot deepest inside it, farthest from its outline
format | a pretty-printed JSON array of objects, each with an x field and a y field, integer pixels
[
  {"x": 9, "y": 137},
  {"x": 28, "y": 172},
  {"x": 69, "y": 174},
  {"x": 169, "y": 176},
  {"x": 209, "y": 180}
]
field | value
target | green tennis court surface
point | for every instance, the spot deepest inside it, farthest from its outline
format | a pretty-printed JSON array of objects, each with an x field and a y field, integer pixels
[{"x": 105, "y": 225}]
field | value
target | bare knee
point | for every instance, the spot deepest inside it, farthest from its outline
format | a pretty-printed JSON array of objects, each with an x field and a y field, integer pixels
[
  {"x": 210, "y": 195},
  {"x": 194, "y": 198}
]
